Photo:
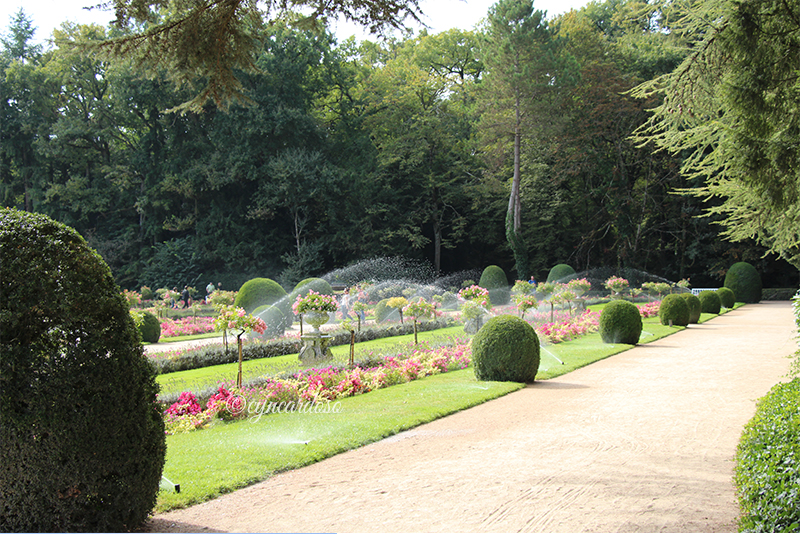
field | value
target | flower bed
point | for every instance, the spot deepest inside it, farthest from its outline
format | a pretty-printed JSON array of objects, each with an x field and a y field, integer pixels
[
  {"x": 557, "y": 332},
  {"x": 649, "y": 309},
  {"x": 309, "y": 387},
  {"x": 186, "y": 326},
  {"x": 215, "y": 354}
]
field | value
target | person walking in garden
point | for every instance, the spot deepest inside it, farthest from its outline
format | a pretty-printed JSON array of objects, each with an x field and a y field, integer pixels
[
  {"x": 185, "y": 296},
  {"x": 209, "y": 289}
]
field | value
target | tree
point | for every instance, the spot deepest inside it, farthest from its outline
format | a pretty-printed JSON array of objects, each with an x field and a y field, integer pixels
[
  {"x": 210, "y": 39},
  {"x": 731, "y": 109},
  {"x": 421, "y": 131},
  {"x": 18, "y": 45},
  {"x": 522, "y": 73}
]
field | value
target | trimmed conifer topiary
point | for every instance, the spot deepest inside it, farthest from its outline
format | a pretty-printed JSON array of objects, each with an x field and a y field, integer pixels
[
  {"x": 620, "y": 322},
  {"x": 695, "y": 307},
  {"x": 258, "y": 292},
  {"x": 709, "y": 302},
  {"x": 506, "y": 348},
  {"x": 83, "y": 442},
  {"x": 319, "y": 285},
  {"x": 727, "y": 297},
  {"x": 674, "y": 309},
  {"x": 745, "y": 282},
  {"x": 150, "y": 328},
  {"x": 494, "y": 279},
  {"x": 561, "y": 273}
]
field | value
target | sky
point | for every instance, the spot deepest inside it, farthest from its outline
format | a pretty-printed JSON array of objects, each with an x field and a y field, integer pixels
[{"x": 440, "y": 15}]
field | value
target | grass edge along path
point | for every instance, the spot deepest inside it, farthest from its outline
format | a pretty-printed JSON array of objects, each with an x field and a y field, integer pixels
[{"x": 231, "y": 456}]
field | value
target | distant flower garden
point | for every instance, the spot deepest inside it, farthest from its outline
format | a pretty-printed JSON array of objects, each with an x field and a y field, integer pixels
[{"x": 186, "y": 326}]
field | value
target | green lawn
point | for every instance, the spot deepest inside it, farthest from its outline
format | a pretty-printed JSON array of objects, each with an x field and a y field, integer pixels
[
  {"x": 229, "y": 456},
  {"x": 199, "y": 379}
]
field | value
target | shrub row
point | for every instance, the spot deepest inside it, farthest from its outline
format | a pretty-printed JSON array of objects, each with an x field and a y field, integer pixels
[
  {"x": 767, "y": 472},
  {"x": 216, "y": 355}
]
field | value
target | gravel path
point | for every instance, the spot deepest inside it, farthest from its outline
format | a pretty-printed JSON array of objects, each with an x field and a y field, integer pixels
[{"x": 639, "y": 442}]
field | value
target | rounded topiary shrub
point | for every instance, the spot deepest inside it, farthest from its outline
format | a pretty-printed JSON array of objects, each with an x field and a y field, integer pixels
[
  {"x": 560, "y": 273},
  {"x": 506, "y": 348},
  {"x": 620, "y": 322},
  {"x": 675, "y": 309},
  {"x": 695, "y": 307},
  {"x": 150, "y": 328},
  {"x": 709, "y": 302},
  {"x": 317, "y": 284},
  {"x": 82, "y": 439},
  {"x": 275, "y": 319},
  {"x": 494, "y": 279},
  {"x": 258, "y": 292},
  {"x": 745, "y": 282},
  {"x": 727, "y": 297}
]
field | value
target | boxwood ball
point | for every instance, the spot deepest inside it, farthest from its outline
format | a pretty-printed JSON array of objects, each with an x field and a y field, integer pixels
[{"x": 506, "y": 349}]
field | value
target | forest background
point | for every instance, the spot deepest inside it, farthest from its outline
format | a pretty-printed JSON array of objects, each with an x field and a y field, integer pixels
[{"x": 511, "y": 144}]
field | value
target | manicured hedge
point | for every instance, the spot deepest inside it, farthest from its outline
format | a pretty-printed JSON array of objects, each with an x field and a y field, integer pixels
[
  {"x": 82, "y": 445},
  {"x": 767, "y": 472}
]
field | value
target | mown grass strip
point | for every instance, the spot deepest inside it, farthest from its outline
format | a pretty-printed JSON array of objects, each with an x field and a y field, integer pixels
[
  {"x": 228, "y": 456},
  {"x": 205, "y": 377}
]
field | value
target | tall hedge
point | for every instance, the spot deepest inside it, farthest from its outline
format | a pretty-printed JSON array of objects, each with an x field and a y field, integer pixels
[
  {"x": 82, "y": 441},
  {"x": 745, "y": 282}
]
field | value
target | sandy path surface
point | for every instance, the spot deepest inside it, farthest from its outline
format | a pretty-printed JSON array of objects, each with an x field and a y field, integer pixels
[{"x": 640, "y": 442}]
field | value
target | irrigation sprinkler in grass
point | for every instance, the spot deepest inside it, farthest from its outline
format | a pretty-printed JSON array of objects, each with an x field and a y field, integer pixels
[{"x": 176, "y": 487}]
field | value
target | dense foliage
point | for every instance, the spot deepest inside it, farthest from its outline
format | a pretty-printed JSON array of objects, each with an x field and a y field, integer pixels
[
  {"x": 620, "y": 322},
  {"x": 150, "y": 328},
  {"x": 767, "y": 473},
  {"x": 259, "y": 292},
  {"x": 695, "y": 307},
  {"x": 82, "y": 442},
  {"x": 745, "y": 282},
  {"x": 709, "y": 302},
  {"x": 344, "y": 151},
  {"x": 506, "y": 348},
  {"x": 560, "y": 273},
  {"x": 727, "y": 297},
  {"x": 674, "y": 310},
  {"x": 495, "y": 280}
]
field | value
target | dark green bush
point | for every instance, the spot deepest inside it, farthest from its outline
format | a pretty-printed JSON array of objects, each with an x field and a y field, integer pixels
[
  {"x": 745, "y": 282},
  {"x": 150, "y": 328},
  {"x": 258, "y": 292},
  {"x": 695, "y": 307},
  {"x": 674, "y": 308},
  {"x": 275, "y": 319},
  {"x": 506, "y": 348},
  {"x": 620, "y": 322},
  {"x": 709, "y": 302},
  {"x": 494, "y": 279},
  {"x": 317, "y": 284},
  {"x": 147, "y": 293},
  {"x": 82, "y": 441},
  {"x": 767, "y": 470},
  {"x": 727, "y": 297},
  {"x": 561, "y": 273}
]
